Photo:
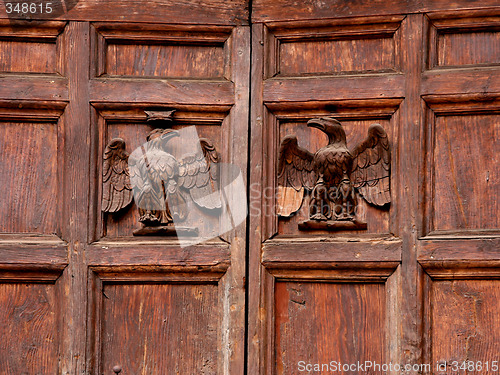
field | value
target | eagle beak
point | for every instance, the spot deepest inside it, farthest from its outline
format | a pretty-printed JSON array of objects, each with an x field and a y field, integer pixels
[{"x": 316, "y": 123}]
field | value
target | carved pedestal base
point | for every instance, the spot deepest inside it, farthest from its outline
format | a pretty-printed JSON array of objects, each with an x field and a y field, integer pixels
[
  {"x": 166, "y": 230},
  {"x": 331, "y": 225}
]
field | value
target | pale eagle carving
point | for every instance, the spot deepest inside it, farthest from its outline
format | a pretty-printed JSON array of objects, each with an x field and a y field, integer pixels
[
  {"x": 332, "y": 175},
  {"x": 160, "y": 183}
]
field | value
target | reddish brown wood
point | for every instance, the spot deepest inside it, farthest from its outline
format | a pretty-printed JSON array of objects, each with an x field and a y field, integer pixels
[
  {"x": 316, "y": 250},
  {"x": 168, "y": 327},
  {"x": 158, "y": 91},
  {"x": 268, "y": 10},
  {"x": 218, "y": 12},
  {"x": 30, "y": 331},
  {"x": 158, "y": 252},
  {"x": 347, "y": 332},
  {"x": 462, "y": 316},
  {"x": 320, "y": 89}
]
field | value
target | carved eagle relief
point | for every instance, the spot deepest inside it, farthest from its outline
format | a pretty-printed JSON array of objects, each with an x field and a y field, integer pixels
[
  {"x": 160, "y": 183},
  {"x": 334, "y": 173}
]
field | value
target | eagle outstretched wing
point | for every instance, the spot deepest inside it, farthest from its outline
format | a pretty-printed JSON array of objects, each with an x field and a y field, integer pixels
[
  {"x": 199, "y": 174},
  {"x": 117, "y": 191},
  {"x": 371, "y": 167},
  {"x": 295, "y": 173}
]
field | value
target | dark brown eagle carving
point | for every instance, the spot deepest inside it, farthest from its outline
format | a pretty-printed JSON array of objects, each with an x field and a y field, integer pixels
[
  {"x": 334, "y": 173},
  {"x": 159, "y": 182}
]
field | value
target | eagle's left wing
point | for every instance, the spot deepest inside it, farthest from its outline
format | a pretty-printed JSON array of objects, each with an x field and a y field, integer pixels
[
  {"x": 371, "y": 168},
  {"x": 117, "y": 191},
  {"x": 199, "y": 174}
]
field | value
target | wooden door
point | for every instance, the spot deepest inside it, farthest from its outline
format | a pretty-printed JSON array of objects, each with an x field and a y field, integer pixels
[
  {"x": 419, "y": 285},
  {"x": 79, "y": 294}
]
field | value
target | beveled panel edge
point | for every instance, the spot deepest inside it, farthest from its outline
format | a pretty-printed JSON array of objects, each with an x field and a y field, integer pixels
[
  {"x": 159, "y": 254},
  {"x": 330, "y": 250},
  {"x": 459, "y": 22},
  {"x": 176, "y": 91},
  {"x": 276, "y": 33}
]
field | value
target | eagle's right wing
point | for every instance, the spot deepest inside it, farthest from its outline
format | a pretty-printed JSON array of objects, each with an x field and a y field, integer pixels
[
  {"x": 116, "y": 188},
  {"x": 371, "y": 169},
  {"x": 295, "y": 173}
]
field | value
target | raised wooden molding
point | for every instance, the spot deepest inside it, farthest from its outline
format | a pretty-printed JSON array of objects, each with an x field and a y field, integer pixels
[
  {"x": 26, "y": 110},
  {"x": 32, "y": 257},
  {"x": 179, "y": 92},
  {"x": 334, "y": 88},
  {"x": 47, "y": 31},
  {"x": 461, "y": 83},
  {"x": 205, "y": 114},
  {"x": 460, "y": 256},
  {"x": 441, "y": 23},
  {"x": 133, "y": 33},
  {"x": 269, "y": 10},
  {"x": 277, "y": 33},
  {"x": 30, "y": 88},
  {"x": 445, "y": 105},
  {"x": 161, "y": 253},
  {"x": 281, "y": 252}
]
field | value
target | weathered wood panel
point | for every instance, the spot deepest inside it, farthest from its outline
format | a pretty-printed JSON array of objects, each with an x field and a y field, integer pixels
[
  {"x": 324, "y": 322},
  {"x": 19, "y": 56},
  {"x": 29, "y": 329},
  {"x": 336, "y": 56},
  {"x": 29, "y": 164},
  {"x": 155, "y": 329},
  {"x": 481, "y": 48},
  {"x": 466, "y": 167},
  {"x": 165, "y": 61},
  {"x": 465, "y": 322}
]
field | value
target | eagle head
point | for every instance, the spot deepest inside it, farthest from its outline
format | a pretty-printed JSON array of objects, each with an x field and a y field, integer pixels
[
  {"x": 160, "y": 137},
  {"x": 330, "y": 127}
]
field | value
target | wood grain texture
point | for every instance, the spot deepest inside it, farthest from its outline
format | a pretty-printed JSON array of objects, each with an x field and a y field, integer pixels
[
  {"x": 162, "y": 91},
  {"x": 30, "y": 166},
  {"x": 30, "y": 47},
  {"x": 219, "y": 12},
  {"x": 29, "y": 329},
  {"x": 465, "y": 188},
  {"x": 269, "y": 10},
  {"x": 337, "y": 56},
  {"x": 464, "y": 318},
  {"x": 166, "y": 328},
  {"x": 337, "y": 88},
  {"x": 35, "y": 250},
  {"x": 464, "y": 39},
  {"x": 33, "y": 88},
  {"x": 174, "y": 61},
  {"x": 481, "y": 82},
  {"x": 21, "y": 56},
  {"x": 319, "y": 249},
  {"x": 324, "y": 322},
  {"x": 158, "y": 252},
  {"x": 482, "y": 48}
]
